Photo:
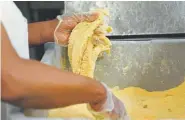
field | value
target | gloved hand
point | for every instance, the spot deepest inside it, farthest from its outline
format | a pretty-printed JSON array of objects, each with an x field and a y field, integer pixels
[
  {"x": 112, "y": 108},
  {"x": 67, "y": 23}
]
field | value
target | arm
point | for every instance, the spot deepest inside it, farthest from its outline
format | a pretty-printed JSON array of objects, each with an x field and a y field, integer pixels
[
  {"x": 41, "y": 32},
  {"x": 31, "y": 84}
]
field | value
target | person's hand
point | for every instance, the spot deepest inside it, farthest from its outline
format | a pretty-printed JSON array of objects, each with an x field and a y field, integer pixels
[
  {"x": 119, "y": 111},
  {"x": 67, "y": 24},
  {"x": 112, "y": 107},
  {"x": 98, "y": 106}
]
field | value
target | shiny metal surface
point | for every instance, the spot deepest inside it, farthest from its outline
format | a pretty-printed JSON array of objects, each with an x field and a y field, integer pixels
[
  {"x": 138, "y": 17},
  {"x": 153, "y": 65}
]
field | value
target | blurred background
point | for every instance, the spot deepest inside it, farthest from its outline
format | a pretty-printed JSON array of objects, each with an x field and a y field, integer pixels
[{"x": 36, "y": 11}]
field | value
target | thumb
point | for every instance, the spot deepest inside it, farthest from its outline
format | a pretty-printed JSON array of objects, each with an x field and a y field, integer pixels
[{"x": 62, "y": 37}]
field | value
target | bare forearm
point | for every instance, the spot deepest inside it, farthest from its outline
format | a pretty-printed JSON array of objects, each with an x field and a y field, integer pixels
[
  {"x": 44, "y": 86},
  {"x": 31, "y": 84},
  {"x": 41, "y": 32}
]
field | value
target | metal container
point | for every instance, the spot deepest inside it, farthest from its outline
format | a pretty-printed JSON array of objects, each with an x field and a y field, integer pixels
[{"x": 156, "y": 64}]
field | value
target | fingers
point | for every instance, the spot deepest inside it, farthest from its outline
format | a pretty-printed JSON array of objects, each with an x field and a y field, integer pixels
[
  {"x": 70, "y": 22},
  {"x": 89, "y": 17},
  {"x": 62, "y": 37}
]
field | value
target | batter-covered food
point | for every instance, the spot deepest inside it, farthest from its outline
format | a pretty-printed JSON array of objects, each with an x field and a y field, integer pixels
[{"x": 86, "y": 42}]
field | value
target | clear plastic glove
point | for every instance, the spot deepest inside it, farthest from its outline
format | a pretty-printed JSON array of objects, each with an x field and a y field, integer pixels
[
  {"x": 112, "y": 108},
  {"x": 119, "y": 111},
  {"x": 67, "y": 23}
]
